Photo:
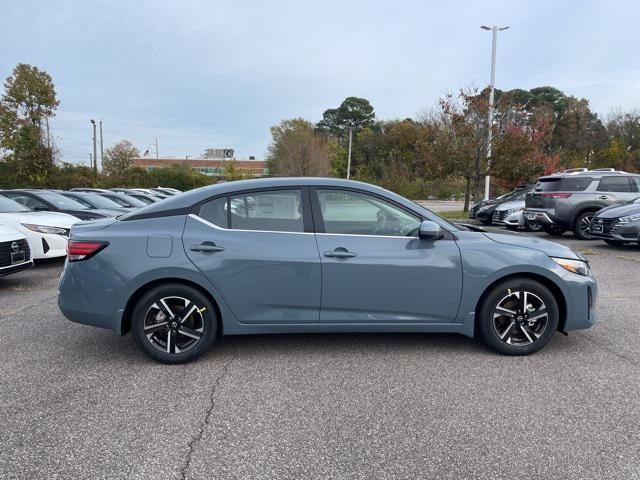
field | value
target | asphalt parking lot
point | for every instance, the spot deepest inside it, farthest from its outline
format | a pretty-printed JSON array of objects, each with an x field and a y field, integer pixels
[{"x": 79, "y": 402}]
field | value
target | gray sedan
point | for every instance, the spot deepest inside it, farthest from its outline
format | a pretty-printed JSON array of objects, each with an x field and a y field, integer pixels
[{"x": 315, "y": 255}]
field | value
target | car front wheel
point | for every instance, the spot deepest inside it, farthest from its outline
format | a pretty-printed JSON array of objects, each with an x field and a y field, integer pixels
[
  {"x": 518, "y": 317},
  {"x": 174, "y": 323}
]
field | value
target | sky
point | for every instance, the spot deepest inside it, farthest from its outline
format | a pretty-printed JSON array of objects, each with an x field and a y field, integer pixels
[{"x": 218, "y": 74}]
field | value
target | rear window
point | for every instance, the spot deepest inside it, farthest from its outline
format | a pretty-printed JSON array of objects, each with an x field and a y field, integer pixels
[
  {"x": 567, "y": 184},
  {"x": 615, "y": 184}
]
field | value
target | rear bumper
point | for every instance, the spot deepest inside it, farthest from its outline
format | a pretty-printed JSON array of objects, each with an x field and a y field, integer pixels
[{"x": 539, "y": 215}]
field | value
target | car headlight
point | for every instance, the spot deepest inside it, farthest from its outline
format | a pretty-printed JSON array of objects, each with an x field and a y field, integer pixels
[
  {"x": 45, "y": 229},
  {"x": 574, "y": 266},
  {"x": 513, "y": 210},
  {"x": 482, "y": 209},
  {"x": 630, "y": 218}
]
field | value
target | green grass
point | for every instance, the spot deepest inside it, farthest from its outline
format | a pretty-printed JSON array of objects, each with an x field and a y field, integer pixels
[{"x": 454, "y": 215}]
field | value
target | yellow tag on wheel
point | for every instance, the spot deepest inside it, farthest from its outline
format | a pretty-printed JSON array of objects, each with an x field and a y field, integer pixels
[{"x": 202, "y": 309}]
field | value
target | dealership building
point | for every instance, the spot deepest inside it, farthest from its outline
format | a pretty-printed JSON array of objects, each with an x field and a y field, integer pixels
[{"x": 207, "y": 166}]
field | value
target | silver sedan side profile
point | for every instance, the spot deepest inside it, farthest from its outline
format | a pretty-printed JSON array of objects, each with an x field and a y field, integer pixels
[{"x": 301, "y": 255}]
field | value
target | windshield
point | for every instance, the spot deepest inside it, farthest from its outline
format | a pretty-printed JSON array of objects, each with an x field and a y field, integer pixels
[
  {"x": 9, "y": 206},
  {"x": 62, "y": 202},
  {"x": 563, "y": 184},
  {"x": 100, "y": 201}
]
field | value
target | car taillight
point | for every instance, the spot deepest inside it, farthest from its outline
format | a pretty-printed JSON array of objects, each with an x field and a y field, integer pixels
[
  {"x": 557, "y": 195},
  {"x": 77, "y": 251}
]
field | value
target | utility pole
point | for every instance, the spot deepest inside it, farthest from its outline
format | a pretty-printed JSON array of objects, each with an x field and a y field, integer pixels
[
  {"x": 157, "y": 148},
  {"x": 101, "y": 149},
  {"x": 95, "y": 154},
  {"x": 349, "y": 155},
  {"x": 495, "y": 29}
]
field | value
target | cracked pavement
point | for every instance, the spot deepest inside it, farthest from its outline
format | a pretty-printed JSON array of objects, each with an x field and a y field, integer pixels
[{"x": 79, "y": 402}]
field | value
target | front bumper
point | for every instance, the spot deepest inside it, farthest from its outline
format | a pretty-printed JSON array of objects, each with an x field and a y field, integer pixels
[
  {"x": 48, "y": 246},
  {"x": 15, "y": 268},
  {"x": 626, "y": 232},
  {"x": 514, "y": 220},
  {"x": 581, "y": 299}
]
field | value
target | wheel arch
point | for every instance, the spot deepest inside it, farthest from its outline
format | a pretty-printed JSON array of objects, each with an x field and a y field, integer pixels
[
  {"x": 547, "y": 282},
  {"x": 133, "y": 299},
  {"x": 589, "y": 207}
]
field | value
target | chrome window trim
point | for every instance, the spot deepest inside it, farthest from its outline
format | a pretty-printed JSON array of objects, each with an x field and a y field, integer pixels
[
  {"x": 218, "y": 227},
  {"x": 367, "y": 236}
]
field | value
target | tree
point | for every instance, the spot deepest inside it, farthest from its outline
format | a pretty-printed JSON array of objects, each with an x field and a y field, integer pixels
[
  {"x": 29, "y": 100},
  {"x": 119, "y": 158},
  {"x": 353, "y": 112},
  {"x": 297, "y": 149}
]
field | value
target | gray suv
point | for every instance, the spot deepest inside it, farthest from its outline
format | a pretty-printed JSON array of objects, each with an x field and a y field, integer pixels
[{"x": 569, "y": 200}]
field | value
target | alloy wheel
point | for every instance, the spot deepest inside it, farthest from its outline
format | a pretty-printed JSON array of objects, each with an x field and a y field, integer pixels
[
  {"x": 520, "y": 318},
  {"x": 585, "y": 222},
  {"x": 174, "y": 324}
]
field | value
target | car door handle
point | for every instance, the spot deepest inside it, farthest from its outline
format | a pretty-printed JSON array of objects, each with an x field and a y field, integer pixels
[
  {"x": 340, "y": 254},
  {"x": 206, "y": 247}
]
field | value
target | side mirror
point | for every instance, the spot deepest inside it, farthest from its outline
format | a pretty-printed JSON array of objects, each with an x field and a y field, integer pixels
[
  {"x": 40, "y": 208},
  {"x": 430, "y": 231}
]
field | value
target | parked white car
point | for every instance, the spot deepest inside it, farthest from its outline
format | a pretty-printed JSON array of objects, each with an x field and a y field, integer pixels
[
  {"x": 510, "y": 214},
  {"x": 46, "y": 232},
  {"x": 15, "y": 254}
]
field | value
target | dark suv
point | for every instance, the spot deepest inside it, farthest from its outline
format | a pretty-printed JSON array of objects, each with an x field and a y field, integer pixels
[{"x": 568, "y": 200}]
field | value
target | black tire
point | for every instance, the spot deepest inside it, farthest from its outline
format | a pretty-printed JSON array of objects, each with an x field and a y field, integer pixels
[
  {"x": 486, "y": 221},
  {"x": 186, "y": 339},
  {"x": 581, "y": 225},
  {"x": 553, "y": 229},
  {"x": 515, "y": 330},
  {"x": 615, "y": 243},
  {"x": 532, "y": 226}
]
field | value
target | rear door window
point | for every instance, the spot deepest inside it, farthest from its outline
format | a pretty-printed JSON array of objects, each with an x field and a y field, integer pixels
[
  {"x": 615, "y": 184},
  {"x": 272, "y": 211},
  {"x": 566, "y": 184},
  {"x": 215, "y": 211}
]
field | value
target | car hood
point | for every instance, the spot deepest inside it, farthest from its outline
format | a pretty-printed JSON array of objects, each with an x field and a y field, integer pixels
[
  {"x": 616, "y": 211},
  {"x": 7, "y": 233},
  {"x": 550, "y": 248},
  {"x": 510, "y": 205},
  {"x": 49, "y": 219}
]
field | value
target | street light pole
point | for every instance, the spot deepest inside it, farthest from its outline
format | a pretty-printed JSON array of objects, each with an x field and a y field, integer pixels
[
  {"x": 101, "y": 149},
  {"x": 349, "y": 155},
  {"x": 95, "y": 154},
  {"x": 495, "y": 29}
]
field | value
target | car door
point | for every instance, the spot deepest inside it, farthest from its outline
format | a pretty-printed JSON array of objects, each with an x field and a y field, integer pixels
[
  {"x": 613, "y": 190},
  {"x": 375, "y": 269},
  {"x": 259, "y": 251}
]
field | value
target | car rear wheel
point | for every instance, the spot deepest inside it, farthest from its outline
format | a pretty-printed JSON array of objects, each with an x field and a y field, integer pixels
[
  {"x": 581, "y": 226},
  {"x": 174, "y": 323},
  {"x": 532, "y": 226},
  {"x": 518, "y": 317},
  {"x": 552, "y": 229}
]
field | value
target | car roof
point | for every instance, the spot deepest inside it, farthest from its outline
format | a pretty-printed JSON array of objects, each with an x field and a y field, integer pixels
[
  {"x": 186, "y": 200},
  {"x": 596, "y": 173}
]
